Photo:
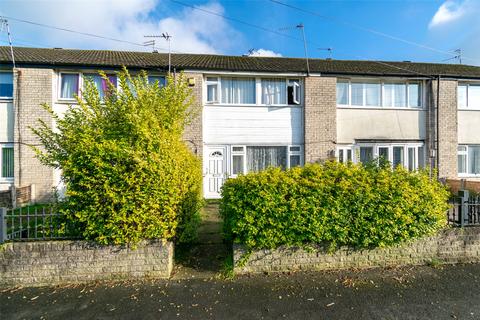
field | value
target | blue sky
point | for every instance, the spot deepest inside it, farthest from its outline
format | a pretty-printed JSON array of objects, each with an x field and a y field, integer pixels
[{"x": 442, "y": 26}]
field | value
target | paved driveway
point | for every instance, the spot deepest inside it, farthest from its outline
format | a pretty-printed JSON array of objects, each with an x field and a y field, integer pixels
[{"x": 450, "y": 292}]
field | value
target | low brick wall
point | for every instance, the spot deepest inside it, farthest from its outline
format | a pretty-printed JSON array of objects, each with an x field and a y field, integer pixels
[
  {"x": 453, "y": 245},
  {"x": 458, "y": 184},
  {"x": 59, "y": 262}
]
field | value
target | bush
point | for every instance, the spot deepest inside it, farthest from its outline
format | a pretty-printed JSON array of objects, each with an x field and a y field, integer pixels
[
  {"x": 338, "y": 204},
  {"x": 129, "y": 175}
]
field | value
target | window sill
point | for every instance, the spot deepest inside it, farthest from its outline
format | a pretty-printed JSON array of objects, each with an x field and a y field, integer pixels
[
  {"x": 468, "y": 109},
  {"x": 380, "y": 108},
  {"x": 66, "y": 101},
  {"x": 254, "y": 105},
  {"x": 7, "y": 180},
  {"x": 6, "y": 99}
]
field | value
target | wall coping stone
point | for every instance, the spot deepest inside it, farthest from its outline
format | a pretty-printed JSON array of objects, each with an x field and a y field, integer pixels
[
  {"x": 42, "y": 263},
  {"x": 449, "y": 246}
]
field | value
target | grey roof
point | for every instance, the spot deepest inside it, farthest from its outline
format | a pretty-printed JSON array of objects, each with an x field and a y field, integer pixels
[{"x": 114, "y": 59}]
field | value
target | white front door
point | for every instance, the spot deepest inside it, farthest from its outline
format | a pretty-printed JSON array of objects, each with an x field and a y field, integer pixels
[{"x": 215, "y": 168}]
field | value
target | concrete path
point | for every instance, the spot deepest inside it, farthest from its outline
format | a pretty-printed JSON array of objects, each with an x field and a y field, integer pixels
[
  {"x": 450, "y": 292},
  {"x": 206, "y": 257}
]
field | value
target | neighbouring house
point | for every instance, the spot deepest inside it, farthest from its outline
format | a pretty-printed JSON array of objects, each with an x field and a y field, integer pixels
[{"x": 262, "y": 111}]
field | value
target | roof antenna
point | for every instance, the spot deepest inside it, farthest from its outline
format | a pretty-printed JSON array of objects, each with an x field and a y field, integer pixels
[
  {"x": 168, "y": 38},
  {"x": 4, "y": 26},
  {"x": 151, "y": 43},
  {"x": 457, "y": 56},
  {"x": 302, "y": 27},
  {"x": 330, "y": 51},
  {"x": 250, "y": 52}
]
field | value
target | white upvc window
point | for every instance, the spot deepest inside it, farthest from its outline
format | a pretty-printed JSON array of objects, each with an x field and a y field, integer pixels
[
  {"x": 213, "y": 88},
  {"x": 376, "y": 93},
  {"x": 6, "y": 84},
  {"x": 162, "y": 81},
  {"x": 6, "y": 162},
  {"x": 409, "y": 155},
  {"x": 294, "y": 92},
  {"x": 246, "y": 159},
  {"x": 263, "y": 91},
  {"x": 295, "y": 156},
  {"x": 238, "y": 160},
  {"x": 69, "y": 85},
  {"x": 344, "y": 154},
  {"x": 468, "y": 95},
  {"x": 468, "y": 160}
]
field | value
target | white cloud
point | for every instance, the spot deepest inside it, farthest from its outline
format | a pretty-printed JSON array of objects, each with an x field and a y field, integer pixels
[
  {"x": 130, "y": 20},
  {"x": 449, "y": 11},
  {"x": 264, "y": 53}
]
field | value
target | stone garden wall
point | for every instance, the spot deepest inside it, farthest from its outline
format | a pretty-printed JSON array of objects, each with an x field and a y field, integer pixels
[
  {"x": 453, "y": 245},
  {"x": 57, "y": 262}
]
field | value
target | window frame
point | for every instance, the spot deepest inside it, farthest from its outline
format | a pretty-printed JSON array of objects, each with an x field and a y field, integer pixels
[
  {"x": 289, "y": 152},
  {"x": 258, "y": 90},
  {"x": 387, "y": 145},
  {"x": 467, "y": 97},
  {"x": 242, "y": 153},
  {"x": 382, "y": 83},
  {"x": 6, "y": 179},
  {"x": 154, "y": 75},
  {"x": 466, "y": 154},
  {"x": 13, "y": 86},
  {"x": 59, "y": 87}
]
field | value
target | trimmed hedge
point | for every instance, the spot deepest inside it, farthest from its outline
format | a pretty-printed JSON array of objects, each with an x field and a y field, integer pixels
[{"x": 339, "y": 204}]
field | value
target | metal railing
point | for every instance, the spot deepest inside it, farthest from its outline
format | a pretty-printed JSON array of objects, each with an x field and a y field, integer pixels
[
  {"x": 465, "y": 210},
  {"x": 30, "y": 224}
]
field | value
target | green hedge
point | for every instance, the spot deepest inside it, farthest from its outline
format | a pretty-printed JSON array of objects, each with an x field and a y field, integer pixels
[
  {"x": 128, "y": 173},
  {"x": 334, "y": 203}
]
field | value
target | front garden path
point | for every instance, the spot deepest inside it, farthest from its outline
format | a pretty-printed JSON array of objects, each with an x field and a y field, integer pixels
[{"x": 206, "y": 257}]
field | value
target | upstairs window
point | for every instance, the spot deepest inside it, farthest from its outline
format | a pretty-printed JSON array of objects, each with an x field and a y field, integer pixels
[
  {"x": 293, "y": 92},
  {"x": 274, "y": 91},
  {"x": 69, "y": 85},
  {"x": 212, "y": 89},
  {"x": 469, "y": 96},
  {"x": 162, "y": 82},
  {"x": 101, "y": 83},
  {"x": 238, "y": 90},
  {"x": 253, "y": 91},
  {"x": 357, "y": 93},
  {"x": 6, "y": 85}
]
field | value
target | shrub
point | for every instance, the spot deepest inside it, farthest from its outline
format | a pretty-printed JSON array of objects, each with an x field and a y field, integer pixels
[
  {"x": 129, "y": 176},
  {"x": 339, "y": 204}
]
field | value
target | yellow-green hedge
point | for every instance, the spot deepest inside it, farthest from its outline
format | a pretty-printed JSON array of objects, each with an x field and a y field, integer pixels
[
  {"x": 129, "y": 175},
  {"x": 334, "y": 203}
]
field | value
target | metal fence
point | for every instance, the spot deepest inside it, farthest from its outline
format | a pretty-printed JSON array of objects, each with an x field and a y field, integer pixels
[
  {"x": 465, "y": 210},
  {"x": 34, "y": 223}
]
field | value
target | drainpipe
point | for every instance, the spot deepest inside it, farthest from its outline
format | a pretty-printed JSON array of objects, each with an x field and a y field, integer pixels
[
  {"x": 437, "y": 158},
  {"x": 16, "y": 112}
]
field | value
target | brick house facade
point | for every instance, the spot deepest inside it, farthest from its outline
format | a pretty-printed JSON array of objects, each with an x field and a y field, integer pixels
[{"x": 292, "y": 118}]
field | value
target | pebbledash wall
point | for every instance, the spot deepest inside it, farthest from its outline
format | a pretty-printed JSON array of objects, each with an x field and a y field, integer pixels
[
  {"x": 57, "y": 262},
  {"x": 453, "y": 245}
]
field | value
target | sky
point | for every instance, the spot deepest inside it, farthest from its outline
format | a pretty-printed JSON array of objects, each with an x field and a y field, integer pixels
[{"x": 369, "y": 30}]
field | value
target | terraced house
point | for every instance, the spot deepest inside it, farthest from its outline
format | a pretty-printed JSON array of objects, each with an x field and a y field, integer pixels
[{"x": 260, "y": 111}]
